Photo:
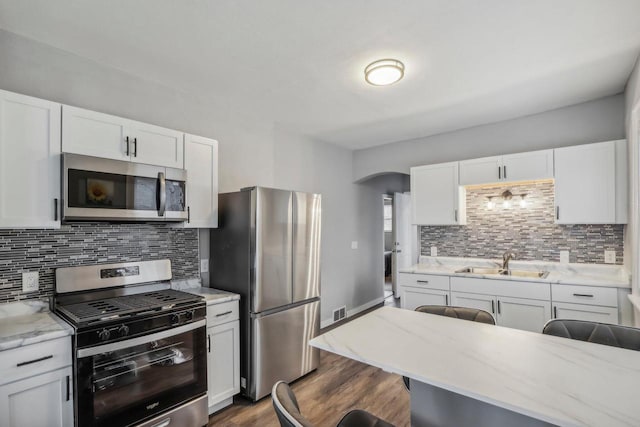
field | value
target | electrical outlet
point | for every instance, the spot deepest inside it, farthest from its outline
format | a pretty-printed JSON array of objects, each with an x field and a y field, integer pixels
[
  {"x": 354, "y": 244},
  {"x": 564, "y": 257},
  {"x": 30, "y": 281},
  {"x": 434, "y": 251},
  {"x": 610, "y": 257},
  {"x": 204, "y": 266}
]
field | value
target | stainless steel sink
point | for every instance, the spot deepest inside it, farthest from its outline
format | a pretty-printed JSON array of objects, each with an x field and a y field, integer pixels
[{"x": 500, "y": 272}]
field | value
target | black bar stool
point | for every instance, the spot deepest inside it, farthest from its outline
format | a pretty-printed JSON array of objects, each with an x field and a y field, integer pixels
[{"x": 598, "y": 333}]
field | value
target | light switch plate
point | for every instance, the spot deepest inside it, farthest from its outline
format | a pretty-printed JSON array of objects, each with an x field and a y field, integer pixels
[
  {"x": 30, "y": 281},
  {"x": 354, "y": 244},
  {"x": 610, "y": 257},
  {"x": 434, "y": 251},
  {"x": 564, "y": 257},
  {"x": 204, "y": 266}
]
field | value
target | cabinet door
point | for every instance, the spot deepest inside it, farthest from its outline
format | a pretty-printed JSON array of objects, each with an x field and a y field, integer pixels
[
  {"x": 479, "y": 301},
  {"x": 562, "y": 310},
  {"x": 201, "y": 163},
  {"x": 94, "y": 134},
  {"x": 525, "y": 314},
  {"x": 585, "y": 187},
  {"x": 434, "y": 194},
  {"x": 154, "y": 145},
  {"x": 481, "y": 171},
  {"x": 41, "y": 401},
  {"x": 29, "y": 162},
  {"x": 528, "y": 166},
  {"x": 410, "y": 298},
  {"x": 223, "y": 361}
]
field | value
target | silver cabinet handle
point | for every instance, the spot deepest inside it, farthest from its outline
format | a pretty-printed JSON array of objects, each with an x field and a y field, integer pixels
[
  {"x": 29, "y": 362},
  {"x": 422, "y": 281},
  {"x": 557, "y": 212},
  {"x": 135, "y": 147},
  {"x": 555, "y": 312},
  {"x": 224, "y": 314},
  {"x": 127, "y": 146},
  {"x": 68, "y": 389},
  {"x": 493, "y": 307},
  {"x": 505, "y": 172},
  {"x": 499, "y": 172},
  {"x": 455, "y": 215},
  {"x": 188, "y": 214},
  {"x": 55, "y": 209},
  {"x": 499, "y": 307},
  {"x": 446, "y": 299},
  {"x": 163, "y": 193},
  {"x": 583, "y": 295},
  {"x": 209, "y": 343}
]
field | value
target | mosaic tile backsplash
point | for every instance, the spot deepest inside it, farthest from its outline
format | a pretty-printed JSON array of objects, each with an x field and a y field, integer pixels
[
  {"x": 90, "y": 243},
  {"x": 528, "y": 231}
]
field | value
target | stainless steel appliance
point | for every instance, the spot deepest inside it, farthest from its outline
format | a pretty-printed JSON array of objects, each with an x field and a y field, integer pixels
[
  {"x": 103, "y": 189},
  {"x": 267, "y": 249},
  {"x": 140, "y": 356}
]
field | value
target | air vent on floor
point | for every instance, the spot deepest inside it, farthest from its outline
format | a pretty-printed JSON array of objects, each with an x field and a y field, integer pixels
[{"x": 339, "y": 313}]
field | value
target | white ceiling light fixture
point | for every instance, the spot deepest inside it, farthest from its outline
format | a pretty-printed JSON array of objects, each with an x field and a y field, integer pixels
[{"x": 384, "y": 72}]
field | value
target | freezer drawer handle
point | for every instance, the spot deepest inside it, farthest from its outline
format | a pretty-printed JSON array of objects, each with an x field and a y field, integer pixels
[
  {"x": 224, "y": 314},
  {"x": 164, "y": 423},
  {"x": 35, "y": 360}
]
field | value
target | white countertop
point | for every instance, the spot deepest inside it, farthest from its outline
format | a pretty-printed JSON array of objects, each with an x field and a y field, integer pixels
[
  {"x": 557, "y": 380},
  {"x": 29, "y": 322},
  {"x": 567, "y": 274},
  {"x": 211, "y": 295}
]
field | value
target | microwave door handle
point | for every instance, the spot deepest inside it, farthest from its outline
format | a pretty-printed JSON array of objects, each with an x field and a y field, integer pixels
[{"x": 163, "y": 193}]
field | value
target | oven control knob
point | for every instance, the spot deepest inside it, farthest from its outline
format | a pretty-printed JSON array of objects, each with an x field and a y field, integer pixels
[
  {"x": 104, "y": 334},
  {"x": 123, "y": 330},
  {"x": 175, "y": 319},
  {"x": 189, "y": 315}
]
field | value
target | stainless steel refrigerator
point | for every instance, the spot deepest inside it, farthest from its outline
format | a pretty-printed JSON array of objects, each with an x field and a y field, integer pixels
[{"x": 267, "y": 249}]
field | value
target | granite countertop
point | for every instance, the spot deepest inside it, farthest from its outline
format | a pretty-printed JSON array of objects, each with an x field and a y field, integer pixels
[
  {"x": 568, "y": 274},
  {"x": 561, "y": 381},
  {"x": 211, "y": 295},
  {"x": 29, "y": 322}
]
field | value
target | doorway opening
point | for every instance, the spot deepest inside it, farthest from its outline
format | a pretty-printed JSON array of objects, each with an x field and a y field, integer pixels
[{"x": 389, "y": 243}]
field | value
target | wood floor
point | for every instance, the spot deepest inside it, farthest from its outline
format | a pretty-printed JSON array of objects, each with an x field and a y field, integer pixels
[{"x": 338, "y": 386}]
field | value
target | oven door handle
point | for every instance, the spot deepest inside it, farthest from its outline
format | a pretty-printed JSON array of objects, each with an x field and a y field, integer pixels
[{"x": 120, "y": 345}]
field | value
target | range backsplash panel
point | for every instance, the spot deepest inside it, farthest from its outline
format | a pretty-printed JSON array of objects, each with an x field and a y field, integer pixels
[
  {"x": 527, "y": 231},
  {"x": 87, "y": 244}
]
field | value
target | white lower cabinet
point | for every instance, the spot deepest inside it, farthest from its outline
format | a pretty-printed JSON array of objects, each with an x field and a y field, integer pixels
[
  {"x": 519, "y": 313},
  {"x": 411, "y": 298},
  {"x": 44, "y": 400},
  {"x": 223, "y": 359},
  {"x": 592, "y": 313}
]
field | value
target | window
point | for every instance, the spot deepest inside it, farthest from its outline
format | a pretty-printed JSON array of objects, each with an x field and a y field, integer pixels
[{"x": 388, "y": 215}]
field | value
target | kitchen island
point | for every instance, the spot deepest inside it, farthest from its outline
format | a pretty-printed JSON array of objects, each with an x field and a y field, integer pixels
[{"x": 467, "y": 373}]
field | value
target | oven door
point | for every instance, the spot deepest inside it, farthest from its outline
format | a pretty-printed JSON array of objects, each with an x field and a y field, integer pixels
[{"x": 126, "y": 382}]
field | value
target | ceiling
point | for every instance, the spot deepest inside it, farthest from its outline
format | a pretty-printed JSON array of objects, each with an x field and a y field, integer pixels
[{"x": 299, "y": 63}]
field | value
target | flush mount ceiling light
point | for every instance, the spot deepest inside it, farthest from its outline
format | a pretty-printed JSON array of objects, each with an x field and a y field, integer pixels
[{"x": 384, "y": 72}]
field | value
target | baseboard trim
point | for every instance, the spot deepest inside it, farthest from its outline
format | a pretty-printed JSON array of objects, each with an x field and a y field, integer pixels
[{"x": 352, "y": 312}]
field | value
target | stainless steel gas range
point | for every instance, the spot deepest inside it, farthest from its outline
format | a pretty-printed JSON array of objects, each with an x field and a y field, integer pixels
[{"x": 140, "y": 347}]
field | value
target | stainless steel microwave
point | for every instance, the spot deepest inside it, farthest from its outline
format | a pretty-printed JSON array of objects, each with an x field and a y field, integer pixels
[{"x": 102, "y": 189}]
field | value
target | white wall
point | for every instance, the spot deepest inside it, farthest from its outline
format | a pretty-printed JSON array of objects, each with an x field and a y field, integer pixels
[
  {"x": 632, "y": 122},
  {"x": 593, "y": 121}
]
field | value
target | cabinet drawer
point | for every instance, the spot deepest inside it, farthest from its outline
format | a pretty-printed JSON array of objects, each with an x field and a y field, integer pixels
[
  {"x": 218, "y": 314},
  {"x": 34, "y": 359},
  {"x": 505, "y": 288},
  {"x": 424, "y": 281},
  {"x": 591, "y": 295},
  {"x": 589, "y": 313}
]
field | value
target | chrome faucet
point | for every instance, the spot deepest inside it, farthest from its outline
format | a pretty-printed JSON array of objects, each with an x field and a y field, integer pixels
[{"x": 506, "y": 257}]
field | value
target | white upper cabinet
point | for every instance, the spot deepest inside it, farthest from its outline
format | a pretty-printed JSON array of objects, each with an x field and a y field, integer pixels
[
  {"x": 94, "y": 134},
  {"x": 111, "y": 137},
  {"x": 528, "y": 166},
  {"x": 435, "y": 198},
  {"x": 513, "y": 167},
  {"x": 29, "y": 162},
  {"x": 201, "y": 163},
  {"x": 590, "y": 183},
  {"x": 481, "y": 171},
  {"x": 155, "y": 145}
]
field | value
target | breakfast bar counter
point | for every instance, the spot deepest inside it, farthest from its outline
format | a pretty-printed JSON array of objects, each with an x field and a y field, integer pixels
[{"x": 479, "y": 374}]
